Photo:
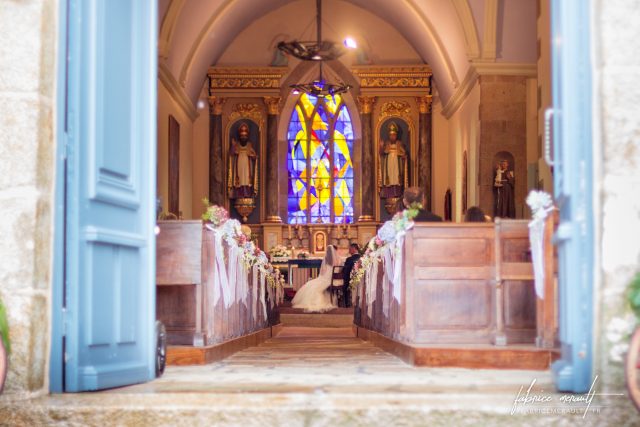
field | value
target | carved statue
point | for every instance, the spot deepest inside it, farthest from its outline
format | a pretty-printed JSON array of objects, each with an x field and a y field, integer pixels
[
  {"x": 503, "y": 191},
  {"x": 242, "y": 181},
  {"x": 392, "y": 176}
]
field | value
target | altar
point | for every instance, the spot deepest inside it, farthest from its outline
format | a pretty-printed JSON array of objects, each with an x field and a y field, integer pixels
[{"x": 298, "y": 272}]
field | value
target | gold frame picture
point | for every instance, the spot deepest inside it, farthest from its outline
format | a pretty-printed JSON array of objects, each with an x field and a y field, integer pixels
[{"x": 319, "y": 242}]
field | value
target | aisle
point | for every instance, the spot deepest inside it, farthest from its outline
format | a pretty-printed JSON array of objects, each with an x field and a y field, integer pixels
[
  {"x": 326, "y": 360},
  {"x": 302, "y": 377}
]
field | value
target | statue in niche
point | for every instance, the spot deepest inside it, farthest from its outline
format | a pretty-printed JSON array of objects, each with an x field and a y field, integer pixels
[
  {"x": 243, "y": 172},
  {"x": 393, "y": 177},
  {"x": 503, "y": 191}
]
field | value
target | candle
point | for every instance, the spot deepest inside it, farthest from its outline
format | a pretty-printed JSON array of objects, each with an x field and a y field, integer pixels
[{"x": 289, "y": 231}]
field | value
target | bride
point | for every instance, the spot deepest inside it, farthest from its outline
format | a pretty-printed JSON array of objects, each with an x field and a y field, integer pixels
[{"x": 313, "y": 295}]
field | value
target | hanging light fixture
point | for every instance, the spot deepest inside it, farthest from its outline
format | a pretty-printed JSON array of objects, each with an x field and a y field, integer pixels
[
  {"x": 320, "y": 87},
  {"x": 320, "y": 50}
]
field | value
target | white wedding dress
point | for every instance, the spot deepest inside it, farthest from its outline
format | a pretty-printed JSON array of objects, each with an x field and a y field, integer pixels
[{"x": 313, "y": 296}]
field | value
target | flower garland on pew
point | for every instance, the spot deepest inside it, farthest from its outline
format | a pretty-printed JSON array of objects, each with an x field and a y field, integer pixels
[
  {"x": 386, "y": 246},
  {"x": 244, "y": 256}
]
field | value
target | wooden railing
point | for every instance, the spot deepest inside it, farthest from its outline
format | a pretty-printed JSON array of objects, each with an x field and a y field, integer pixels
[
  {"x": 465, "y": 283},
  {"x": 185, "y": 269}
]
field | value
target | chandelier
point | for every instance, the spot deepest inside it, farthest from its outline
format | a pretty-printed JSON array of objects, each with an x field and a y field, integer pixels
[
  {"x": 320, "y": 87},
  {"x": 320, "y": 50}
]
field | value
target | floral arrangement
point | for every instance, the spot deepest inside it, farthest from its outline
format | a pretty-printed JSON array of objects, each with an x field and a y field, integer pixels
[
  {"x": 214, "y": 214},
  {"x": 387, "y": 234},
  {"x": 620, "y": 329},
  {"x": 540, "y": 203},
  {"x": 232, "y": 233},
  {"x": 279, "y": 251},
  {"x": 303, "y": 254}
]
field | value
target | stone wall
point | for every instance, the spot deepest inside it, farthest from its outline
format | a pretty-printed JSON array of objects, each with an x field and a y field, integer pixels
[
  {"x": 617, "y": 175},
  {"x": 503, "y": 127},
  {"x": 27, "y": 84}
]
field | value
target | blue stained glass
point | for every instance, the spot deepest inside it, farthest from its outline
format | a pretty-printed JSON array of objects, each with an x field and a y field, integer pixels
[
  {"x": 343, "y": 124},
  {"x": 318, "y": 182}
]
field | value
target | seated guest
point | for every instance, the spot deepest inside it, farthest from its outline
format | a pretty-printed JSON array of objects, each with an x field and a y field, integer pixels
[
  {"x": 416, "y": 195},
  {"x": 354, "y": 255},
  {"x": 474, "y": 214}
]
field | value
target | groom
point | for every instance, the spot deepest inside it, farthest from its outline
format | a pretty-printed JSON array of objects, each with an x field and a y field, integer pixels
[{"x": 354, "y": 251}]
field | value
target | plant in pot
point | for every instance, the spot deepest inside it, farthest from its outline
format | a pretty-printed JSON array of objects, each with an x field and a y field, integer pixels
[{"x": 5, "y": 346}]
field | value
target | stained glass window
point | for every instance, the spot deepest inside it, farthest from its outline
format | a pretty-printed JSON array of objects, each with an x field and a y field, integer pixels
[{"x": 320, "y": 142}]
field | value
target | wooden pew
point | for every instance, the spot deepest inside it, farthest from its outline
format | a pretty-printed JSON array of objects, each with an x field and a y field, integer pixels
[
  {"x": 185, "y": 268},
  {"x": 466, "y": 283},
  {"x": 450, "y": 289},
  {"x": 515, "y": 301}
]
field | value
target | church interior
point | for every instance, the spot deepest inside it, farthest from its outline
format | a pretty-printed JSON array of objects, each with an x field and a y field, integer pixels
[
  {"x": 308, "y": 120},
  {"x": 465, "y": 81}
]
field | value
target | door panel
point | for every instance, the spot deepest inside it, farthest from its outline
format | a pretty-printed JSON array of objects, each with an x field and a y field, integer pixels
[
  {"x": 572, "y": 83},
  {"x": 110, "y": 246}
]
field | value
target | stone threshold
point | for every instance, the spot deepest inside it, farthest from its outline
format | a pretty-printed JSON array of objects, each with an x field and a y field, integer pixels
[
  {"x": 464, "y": 356},
  {"x": 464, "y": 407}
]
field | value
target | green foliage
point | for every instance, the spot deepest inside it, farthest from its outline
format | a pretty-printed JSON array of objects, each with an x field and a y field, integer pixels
[
  {"x": 633, "y": 295},
  {"x": 4, "y": 328}
]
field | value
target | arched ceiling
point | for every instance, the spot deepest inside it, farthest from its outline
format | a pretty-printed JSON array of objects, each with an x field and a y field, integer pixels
[{"x": 443, "y": 33}]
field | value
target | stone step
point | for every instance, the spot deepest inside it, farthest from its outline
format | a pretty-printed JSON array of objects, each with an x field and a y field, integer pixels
[{"x": 316, "y": 320}]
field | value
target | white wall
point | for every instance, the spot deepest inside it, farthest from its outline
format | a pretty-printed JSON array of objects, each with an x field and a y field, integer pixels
[
  {"x": 441, "y": 164},
  {"x": 200, "y": 167},
  {"x": 464, "y": 134}
]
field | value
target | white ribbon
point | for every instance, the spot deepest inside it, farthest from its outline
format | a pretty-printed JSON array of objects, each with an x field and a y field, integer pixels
[
  {"x": 254, "y": 293},
  {"x": 243, "y": 277},
  {"x": 541, "y": 205},
  {"x": 536, "y": 238},
  {"x": 385, "y": 292},
  {"x": 271, "y": 296},
  {"x": 371, "y": 276},
  {"x": 397, "y": 269},
  {"x": 233, "y": 271},
  {"x": 264, "y": 303},
  {"x": 220, "y": 279},
  {"x": 388, "y": 266}
]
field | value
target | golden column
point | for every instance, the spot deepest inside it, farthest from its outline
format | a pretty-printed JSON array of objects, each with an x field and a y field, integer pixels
[
  {"x": 216, "y": 163},
  {"x": 425, "y": 156},
  {"x": 271, "y": 185}
]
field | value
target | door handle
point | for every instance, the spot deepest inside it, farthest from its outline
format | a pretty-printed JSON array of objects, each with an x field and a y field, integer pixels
[
  {"x": 563, "y": 233},
  {"x": 548, "y": 115}
]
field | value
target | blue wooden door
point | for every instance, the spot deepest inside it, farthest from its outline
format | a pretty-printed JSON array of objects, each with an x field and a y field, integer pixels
[
  {"x": 572, "y": 138},
  {"x": 109, "y": 296}
]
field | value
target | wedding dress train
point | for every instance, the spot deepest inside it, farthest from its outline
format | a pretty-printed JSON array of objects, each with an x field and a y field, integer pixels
[{"x": 313, "y": 296}]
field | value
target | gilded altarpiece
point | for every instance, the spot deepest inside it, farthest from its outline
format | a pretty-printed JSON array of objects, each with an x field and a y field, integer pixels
[
  {"x": 399, "y": 93},
  {"x": 244, "y": 90},
  {"x": 245, "y": 201}
]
